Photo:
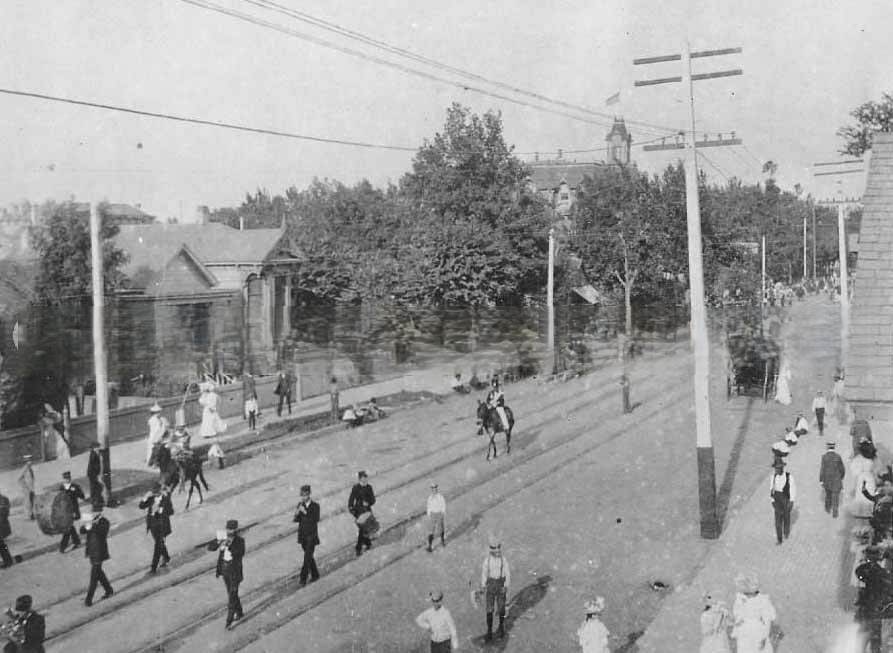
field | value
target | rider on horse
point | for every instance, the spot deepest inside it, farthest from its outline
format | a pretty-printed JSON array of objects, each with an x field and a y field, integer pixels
[{"x": 496, "y": 399}]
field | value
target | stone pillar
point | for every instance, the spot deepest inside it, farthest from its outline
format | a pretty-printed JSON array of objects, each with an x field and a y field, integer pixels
[{"x": 286, "y": 307}]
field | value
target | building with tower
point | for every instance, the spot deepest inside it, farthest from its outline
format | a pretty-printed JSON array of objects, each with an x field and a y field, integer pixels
[{"x": 619, "y": 141}]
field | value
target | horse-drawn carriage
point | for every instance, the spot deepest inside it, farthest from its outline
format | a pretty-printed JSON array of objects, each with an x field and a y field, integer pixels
[{"x": 753, "y": 362}]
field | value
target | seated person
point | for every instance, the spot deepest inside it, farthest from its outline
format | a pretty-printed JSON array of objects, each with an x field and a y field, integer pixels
[
  {"x": 372, "y": 409},
  {"x": 882, "y": 515},
  {"x": 801, "y": 426},
  {"x": 351, "y": 414},
  {"x": 457, "y": 385}
]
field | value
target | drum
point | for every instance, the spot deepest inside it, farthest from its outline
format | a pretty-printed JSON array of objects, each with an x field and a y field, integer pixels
[
  {"x": 368, "y": 524},
  {"x": 54, "y": 512}
]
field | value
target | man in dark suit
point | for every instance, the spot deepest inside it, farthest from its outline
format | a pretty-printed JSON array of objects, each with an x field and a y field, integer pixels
[
  {"x": 284, "y": 388},
  {"x": 159, "y": 508},
  {"x": 75, "y": 493},
  {"x": 31, "y": 626},
  {"x": 5, "y": 531},
  {"x": 229, "y": 565},
  {"x": 97, "y": 550},
  {"x": 831, "y": 477},
  {"x": 361, "y": 500},
  {"x": 94, "y": 469},
  {"x": 307, "y": 516}
]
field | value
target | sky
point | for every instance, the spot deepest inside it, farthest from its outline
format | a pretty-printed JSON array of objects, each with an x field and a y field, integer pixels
[{"x": 806, "y": 65}]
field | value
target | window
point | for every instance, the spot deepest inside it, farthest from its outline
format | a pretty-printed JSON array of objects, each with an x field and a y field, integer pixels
[{"x": 195, "y": 320}]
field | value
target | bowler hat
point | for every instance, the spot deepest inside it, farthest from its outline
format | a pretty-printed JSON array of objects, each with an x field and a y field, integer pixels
[
  {"x": 361, "y": 474},
  {"x": 23, "y": 603},
  {"x": 232, "y": 524},
  {"x": 66, "y": 475},
  {"x": 305, "y": 489}
]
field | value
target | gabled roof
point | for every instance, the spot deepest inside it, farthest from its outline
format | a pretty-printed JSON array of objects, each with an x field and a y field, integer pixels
[
  {"x": 619, "y": 127},
  {"x": 550, "y": 175}
]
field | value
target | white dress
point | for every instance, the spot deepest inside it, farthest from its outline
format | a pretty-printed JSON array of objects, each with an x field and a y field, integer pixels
[
  {"x": 753, "y": 623},
  {"x": 783, "y": 386},
  {"x": 593, "y": 636},
  {"x": 211, "y": 422}
]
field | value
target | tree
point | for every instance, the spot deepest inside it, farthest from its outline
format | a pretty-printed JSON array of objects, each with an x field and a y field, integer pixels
[{"x": 870, "y": 117}]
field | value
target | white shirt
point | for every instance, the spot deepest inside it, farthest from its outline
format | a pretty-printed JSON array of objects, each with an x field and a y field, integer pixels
[
  {"x": 440, "y": 624},
  {"x": 593, "y": 636},
  {"x": 436, "y": 503},
  {"x": 157, "y": 427},
  {"x": 495, "y": 567},
  {"x": 776, "y": 484},
  {"x": 802, "y": 424},
  {"x": 819, "y": 402}
]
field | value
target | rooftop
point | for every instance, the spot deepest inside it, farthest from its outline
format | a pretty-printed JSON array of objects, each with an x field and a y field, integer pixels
[{"x": 550, "y": 175}]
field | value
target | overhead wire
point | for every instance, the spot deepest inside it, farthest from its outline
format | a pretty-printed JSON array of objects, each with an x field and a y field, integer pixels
[
  {"x": 210, "y": 6},
  {"x": 383, "y": 45}
]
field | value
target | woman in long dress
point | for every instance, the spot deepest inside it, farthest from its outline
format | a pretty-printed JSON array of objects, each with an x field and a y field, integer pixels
[
  {"x": 783, "y": 385},
  {"x": 753, "y": 613},
  {"x": 211, "y": 424},
  {"x": 715, "y": 624}
]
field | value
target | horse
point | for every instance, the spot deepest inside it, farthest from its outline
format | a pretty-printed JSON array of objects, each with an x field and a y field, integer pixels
[
  {"x": 189, "y": 465},
  {"x": 169, "y": 470},
  {"x": 490, "y": 421}
]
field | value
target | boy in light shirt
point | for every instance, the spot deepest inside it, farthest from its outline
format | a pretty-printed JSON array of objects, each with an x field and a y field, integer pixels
[
  {"x": 438, "y": 621},
  {"x": 436, "y": 511}
]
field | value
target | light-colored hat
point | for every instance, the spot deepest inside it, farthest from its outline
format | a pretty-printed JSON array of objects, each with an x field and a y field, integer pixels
[
  {"x": 156, "y": 408},
  {"x": 206, "y": 386},
  {"x": 830, "y": 444},
  {"x": 494, "y": 542},
  {"x": 747, "y": 583},
  {"x": 596, "y": 606},
  {"x": 436, "y": 595}
]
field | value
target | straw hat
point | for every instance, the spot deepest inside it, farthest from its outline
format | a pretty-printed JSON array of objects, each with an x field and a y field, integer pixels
[
  {"x": 156, "y": 408},
  {"x": 596, "y": 606}
]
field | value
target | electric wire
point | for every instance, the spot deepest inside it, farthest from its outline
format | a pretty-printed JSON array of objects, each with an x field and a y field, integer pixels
[{"x": 203, "y": 4}]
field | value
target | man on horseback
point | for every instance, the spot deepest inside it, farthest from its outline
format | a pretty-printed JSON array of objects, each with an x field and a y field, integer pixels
[{"x": 496, "y": 399}]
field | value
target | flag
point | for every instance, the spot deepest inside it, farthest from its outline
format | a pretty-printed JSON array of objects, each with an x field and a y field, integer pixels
[{"x": 614, "y": 99}]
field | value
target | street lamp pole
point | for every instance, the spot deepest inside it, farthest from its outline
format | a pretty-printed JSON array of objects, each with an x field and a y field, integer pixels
[{"x": 99, "y": 360}]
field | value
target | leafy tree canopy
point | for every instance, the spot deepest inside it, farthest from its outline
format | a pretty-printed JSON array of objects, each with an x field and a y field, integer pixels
[{"x": 870, "y": 117}]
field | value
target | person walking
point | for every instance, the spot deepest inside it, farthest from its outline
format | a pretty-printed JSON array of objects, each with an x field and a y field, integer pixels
[
  {"x": 715, "y": 622},
  {"x": 783, "y": 493},
  {"x": 231, "y": 549},
  {"x": 97, "y": 551},
  {"x": 831, "y": 474},
  {"x": 158, "y": 426},
  {"x": 873, "y": 596},
  {"x": 75, "y": 493},
  {"x": 436, "y": 510},
  {"x": 801, "y": 426},
  {"x": 211, "y": 424},
  {"x": 159, "y": 508},
  {"x": 251, "y": 411},
  {"x": 5, "y": 531},
  {"x": 284, "y": 391},
  {"x": 307, "y": 516},
  {"x": 439, "y": 623},
  {"x": 30, "y": 625},
  {"x": 360, "y": 501},
  {"x": 753, "y": 616},
  {"x": 592, "y": 634},
  {"x": 26, "y": 482},
  {"x": 819, "y": 405},
  {"x": 495, "y": 581},
  {"x": 94, "y": 469}
]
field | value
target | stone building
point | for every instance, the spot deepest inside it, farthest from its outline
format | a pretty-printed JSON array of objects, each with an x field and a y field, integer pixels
[{"x": 869, "y": 372}]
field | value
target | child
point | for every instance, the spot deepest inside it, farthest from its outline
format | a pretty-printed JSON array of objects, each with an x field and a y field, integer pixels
[{"x": 251, "y": 411}]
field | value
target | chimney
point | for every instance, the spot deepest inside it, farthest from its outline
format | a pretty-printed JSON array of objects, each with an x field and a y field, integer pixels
[
  {"x": 202, "y": 214},
  {"x": 241, "y": 223},
  {"x": 560, "y": 153}
]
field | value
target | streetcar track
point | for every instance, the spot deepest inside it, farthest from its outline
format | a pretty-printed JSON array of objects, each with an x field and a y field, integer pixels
[
  {"x": 278, "y": 589},
  {"x": 133, "y": 598}
]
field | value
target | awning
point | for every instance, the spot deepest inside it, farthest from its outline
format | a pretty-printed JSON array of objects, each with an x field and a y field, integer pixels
[{"x": 588, "y": 293}]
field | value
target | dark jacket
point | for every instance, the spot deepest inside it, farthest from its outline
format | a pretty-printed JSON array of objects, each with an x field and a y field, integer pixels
[
  {"x": 876, "y": 592},
  {"x": 832, "y": 471},
  {"x": 94, "y": 465},
  {"x": 231, "y": 570},
  {"x": 97, "y": 547},
  {"x": 308, "y": 522},
  {"x": 34, "y": 632},
  {"x": 282, "y": 388},
  {"x": 362, "y": 498},
  {"x": 74, "y": 492},
  {"x": 5, "y": 530},
  {"x": 158, "y": 522}
]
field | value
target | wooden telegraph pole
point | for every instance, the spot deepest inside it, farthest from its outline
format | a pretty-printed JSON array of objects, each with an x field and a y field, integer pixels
[
  {"x": 550, "y": 304},
  {"x": 99, "y": 361},
  {"x": 700, "y": 344}
]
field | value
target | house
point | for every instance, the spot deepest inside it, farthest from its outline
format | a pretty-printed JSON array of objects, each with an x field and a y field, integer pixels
[
  {"x": 202, "y": 298},
  {"x": 560, "y": 183},
  {"x": 869, "y": 373}
]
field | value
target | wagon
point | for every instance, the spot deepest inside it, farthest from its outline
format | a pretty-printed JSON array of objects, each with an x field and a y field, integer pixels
[{"x": 753, "y": 366}]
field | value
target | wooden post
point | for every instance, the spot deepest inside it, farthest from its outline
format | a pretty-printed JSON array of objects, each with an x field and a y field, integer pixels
[{"x": 99, "y": 361}]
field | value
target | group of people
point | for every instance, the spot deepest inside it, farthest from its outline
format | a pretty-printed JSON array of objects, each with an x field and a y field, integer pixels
[{"x": 749, "y": 623}]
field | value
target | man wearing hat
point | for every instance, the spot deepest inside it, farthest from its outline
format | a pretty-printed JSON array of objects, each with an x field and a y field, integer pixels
[
  {"x": 231, "y": 549},
  {"x": 97, "y": 550},
  {"x": 30, "y": 625},
  {"x": 872, "y": 597},
  {"x": 157, "y": 428},
  {"x": 592, "y": 634},
  {"x": 5, "y": 531},
  {"x": 831, "y": 476},
  {"x": 26, "y": 482},
  {"x": 94, "y": 469},
  {"x": 782, "y": 492},
  {"x": 159, "y": 508},
  {"x": 438, "y": 621},
  {"x": 75, "y": 493},
  {"x": 307, "y": 517},
  {"x": 495, "y": 580},
  {"x": 361, "y": 500},
  {"x": 496, "y": 399},
  {"x": 436, "y": 510}
]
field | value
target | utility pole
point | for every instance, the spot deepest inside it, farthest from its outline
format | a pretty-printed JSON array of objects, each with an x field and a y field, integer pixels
[
  {"x": 706, "y": 461},
  {"x": 550, "y": 302},
  {"x": 814, "y": 277},
  {"x": 804, "y": 247},
  {"x": 99, "y": 362}
]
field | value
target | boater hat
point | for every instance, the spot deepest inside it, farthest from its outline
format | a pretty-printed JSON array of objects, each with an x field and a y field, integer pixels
[
  {"x": 596, "y": 606},
  {"x": 156, "y": 408},
  {"x": 830, "y": 444}
]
